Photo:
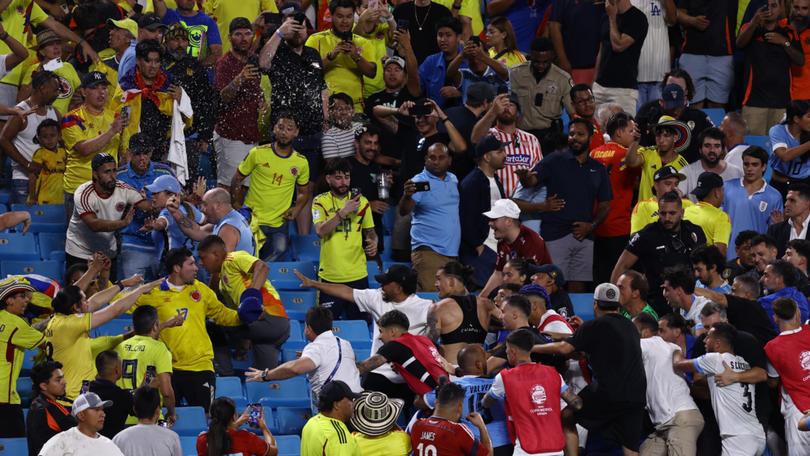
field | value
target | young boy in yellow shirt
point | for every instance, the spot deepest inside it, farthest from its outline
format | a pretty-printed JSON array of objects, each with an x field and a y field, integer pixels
[{"x": 46, "y": 186}]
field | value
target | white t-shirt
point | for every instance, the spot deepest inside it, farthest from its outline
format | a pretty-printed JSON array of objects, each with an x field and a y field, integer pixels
[
  {"x": 694, "y": 312},
  {"x": 667, "y": 392},
  {"x": 734, "y": 156},
  {"x": 414, "y": 307},
  {"x": 81, "y": 241},
  {"x": 74, "y": 443},
  {"x": 324, "y": 353},
  {"x": 734, "y": 405},
  {"x": 494, "y": 195},
  {"x": 148, "y": 440},
  {"x": 24, "y": 139},
  {"x": 694, "y": 170}
]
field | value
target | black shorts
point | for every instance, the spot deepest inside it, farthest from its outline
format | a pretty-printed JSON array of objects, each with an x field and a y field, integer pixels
[
  {"x": 621, "y": 422},
  {"x": 12, "y": 423},
  {"x": 197, "y": 387}
]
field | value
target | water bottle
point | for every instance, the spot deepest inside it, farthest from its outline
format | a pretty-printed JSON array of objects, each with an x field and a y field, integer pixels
[{"x": 382, "y": 186}]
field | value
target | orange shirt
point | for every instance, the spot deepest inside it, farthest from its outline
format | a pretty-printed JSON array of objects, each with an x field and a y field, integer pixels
[
  {"x": 800, "y": 75},
  {"x": 623, "y": 180}
]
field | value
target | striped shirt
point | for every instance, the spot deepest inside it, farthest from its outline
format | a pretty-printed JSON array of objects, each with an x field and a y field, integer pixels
[
  {"x": 523, "y": 152},
  {"x": 654, "y": 60},
  {"x": 337, "y": 142}
]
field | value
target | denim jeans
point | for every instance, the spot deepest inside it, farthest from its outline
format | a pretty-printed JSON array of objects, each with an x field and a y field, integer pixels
[
  {"x": 277, "y": 242},
  {"x": 133, "y": 261},
  {"x": 648, "y": 91},
  {"x": 19, "y": 191}
]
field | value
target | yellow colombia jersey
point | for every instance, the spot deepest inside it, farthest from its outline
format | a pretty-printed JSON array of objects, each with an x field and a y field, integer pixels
[
  {"x": 652, "y": 163},
  {"x": 80, "y": 125},
  {"x": 18, "y": 19},
  {"x": 508, "y": 59},
  {"x": 69, "y": 83},
  {"x": 235, "y": 277},
  {"x": 342, "y": 74},
  {"x": 715, "y": 223},
  {"x": 646, "y": 212},
  {"x": 342, "y": 257},
  {"x": 324, "y": 436},
  {"x": 224, "y": 11},
  {"x": 469, "y": 8},
  {"x": 68, "y": 341},
  {"x": 272, "y": 182},
  {"x": 395, "y": 443},
  {"x": 189, "y": 343},
  {"x": 378, "y": 39},
  {"x": 137, "y": 353},
  {"x": 50, "y": 185},
  {"x": 16, "y": 336}
]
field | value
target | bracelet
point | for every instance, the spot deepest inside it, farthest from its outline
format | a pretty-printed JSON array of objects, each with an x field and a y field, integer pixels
[
  {"x": 456, "y": 7},
  {"x": 120, "y": 285},
  {"x": 264, "y": 375},
  {"x": 444, "y": 120},
  {"x": 278, "y": 32}
]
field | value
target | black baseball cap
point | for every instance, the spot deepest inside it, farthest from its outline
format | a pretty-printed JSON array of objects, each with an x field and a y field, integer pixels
[
  {"x": 239, "y": 23},
  {"x": 707, "y": 181},
  {"x": 487, "y": 144},
  {"x": 139, "y": 143},
  {"x": 332, "y": 392},
  {"x": 398, "y": 273},
  {"x": 479, "y": 92},
  {"x": 101, "y": 159},
  {"x": 666, "y": 172},
  {"x": 151, "y": 21},
  {"x": 93, "y": 79}
]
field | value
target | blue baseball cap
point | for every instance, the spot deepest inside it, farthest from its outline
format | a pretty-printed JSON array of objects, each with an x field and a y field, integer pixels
[
  {"x": 535, "y": 290},
  {"x": 165, "y": 183}
]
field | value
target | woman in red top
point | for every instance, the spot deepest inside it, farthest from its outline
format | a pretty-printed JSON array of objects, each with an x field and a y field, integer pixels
[{"x": 225, "y": 438}]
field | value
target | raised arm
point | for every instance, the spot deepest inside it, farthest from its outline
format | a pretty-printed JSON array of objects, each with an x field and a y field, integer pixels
[
  {"x": 121, "y": 305},
  {"x": 619, "y": 41},
  {"x": 625, "y": 262},
  {"x": 287, "y": 370},
  {"x": 107, "y": 226},
  {"x": 555, "y": 348},
  {"x": 337, "y": 290},
  {"x": 18, "y": 52},
  {"x": 713, "y": 296}
]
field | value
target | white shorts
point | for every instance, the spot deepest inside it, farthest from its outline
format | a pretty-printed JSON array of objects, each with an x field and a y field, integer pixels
[
  {"x": 743, "y": 445},
  {"x": 626, "y": 98},
  {"x": 798, "y": 442},
  {"x": 230, "y": 154}
]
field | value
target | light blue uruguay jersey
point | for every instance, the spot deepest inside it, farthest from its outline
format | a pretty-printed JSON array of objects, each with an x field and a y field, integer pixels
[
  {"x": 749, "y": 212},
  {"x": 475, "y": 388}
]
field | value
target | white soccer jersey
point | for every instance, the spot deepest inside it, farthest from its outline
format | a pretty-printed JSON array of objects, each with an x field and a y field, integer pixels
[
  {"x": 81, "y": 241},
  {"x": 734, "y": 405},
  {"x": 654, "y": 60}
]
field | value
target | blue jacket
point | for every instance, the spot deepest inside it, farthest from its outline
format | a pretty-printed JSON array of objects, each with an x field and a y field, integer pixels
[
  {"x": 475, "y": 200},
  {"x": 130, "y": 237}
]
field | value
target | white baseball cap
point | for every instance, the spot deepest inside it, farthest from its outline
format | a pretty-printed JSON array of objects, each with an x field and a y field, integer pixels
[
  {"x": 88, "y": 401},
  {"x": 606, "y": 293},
  {"x": 503, "y": 208}
]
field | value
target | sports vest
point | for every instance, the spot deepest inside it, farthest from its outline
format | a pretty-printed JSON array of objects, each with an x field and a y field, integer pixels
[
  {"x": 236, "y": 220},
  {"x": 790, "y": 355},
  {"x": 533, "y": 407},
  {"x": 426, "y": 354}
]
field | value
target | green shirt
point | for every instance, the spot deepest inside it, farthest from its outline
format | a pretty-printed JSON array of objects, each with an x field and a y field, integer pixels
[{"x": 646, "y": 309}]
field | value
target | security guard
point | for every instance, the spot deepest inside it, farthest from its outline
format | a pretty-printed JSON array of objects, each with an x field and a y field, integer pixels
[
  {"x": 661, "y": 245},
  {"x": 665, "y": 180},
  {"x": 543, "y": 90}
]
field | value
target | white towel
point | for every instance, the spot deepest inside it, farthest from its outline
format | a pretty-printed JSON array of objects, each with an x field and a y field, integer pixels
[{"x": 177, "y": 145}]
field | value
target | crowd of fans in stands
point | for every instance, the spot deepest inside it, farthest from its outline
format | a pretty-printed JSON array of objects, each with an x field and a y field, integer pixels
[{"x": 499, "y": 155}]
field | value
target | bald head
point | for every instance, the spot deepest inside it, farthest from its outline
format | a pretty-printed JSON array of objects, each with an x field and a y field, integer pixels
[
  {"x": 215, "y": 204},
  {"x": 472, "y": 359},
  {"x": 437, "y": 159},
  {"x": 217, "y": 195}
]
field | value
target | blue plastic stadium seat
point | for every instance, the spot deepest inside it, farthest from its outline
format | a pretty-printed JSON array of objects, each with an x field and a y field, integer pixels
[
  {"x": 25, "y": 388},
  {"x": 761, "y": 141},
  {"x": 242, "y": 364},
  {"x": 290, "y": 354},
  {"x": 355, "y": 331},
  {"x": 293, "y": 392},
  {"x": 48, "y": 228},
  {"x": 298, "y": 302},
  {"x": 282, "y": 277},
  {"x": 113, "y": 327},
  {"x": 268, "y": 420},
  {"x": 716, "y": 115},
  {"x": 296, "y": 339},
  {"x": 28, "y": 362},
  {"x": 373, "y": 269},
  {"x": 387, "y": 252},
  {"x": 50, "y": 243},
  {"x": 291, "y": 420},
  {"x": 188, "y": 445},
  {"x": 46, "y": 213},
  {"x": 15, "y": 447},
  {"x": 50, "y": 269},
  {"x": 428, "y": 295},
  {"x": 583, "y": 305},
  {"x": 306, "y": 247},
  {"x": 5, "y": 196},
  {"x": 255, "y": 391},
  {"x": 241, "y": 404},
  {"x": 362, "y": 354},
  {"x": 229, "y": 387},
  {"x": 288, "y": 445},
  {"x": 17, "y": 246},
  {"x": 190, "y": 421},
  {"x": 3, "y": 209}
]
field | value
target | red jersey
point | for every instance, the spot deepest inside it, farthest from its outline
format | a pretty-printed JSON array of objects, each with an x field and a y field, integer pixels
[
  {"x": 436, "y": 436},
  {"x": 789, "y": 354},
  {"x": 425, "y": 354},
  {"x": 528, "y": 245},
  {"x": 553, "y": 317},
  {"x": 623, "y": 181},
  {"x": 243, "y": 443},
  {"x": 533, "y": 404}
]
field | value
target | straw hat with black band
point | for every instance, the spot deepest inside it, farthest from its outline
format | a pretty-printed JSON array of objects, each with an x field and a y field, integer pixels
[{"x": 375, "y": 414}]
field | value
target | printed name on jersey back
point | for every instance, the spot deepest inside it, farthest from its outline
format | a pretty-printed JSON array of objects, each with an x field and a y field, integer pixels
[{"x": 428, "y": 436}]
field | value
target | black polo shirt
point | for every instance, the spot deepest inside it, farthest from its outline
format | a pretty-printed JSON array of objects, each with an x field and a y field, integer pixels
[
  {"x": 464, "y": 120},
  {"x": 297, "y": 82},
  {"x": 767, "y": 68},
  {"x": 620, "y": 69},
  {"x": 718, "y": 38},
  {"x": 658, "y": 249},
  {"x": 581, "y": 185}
]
